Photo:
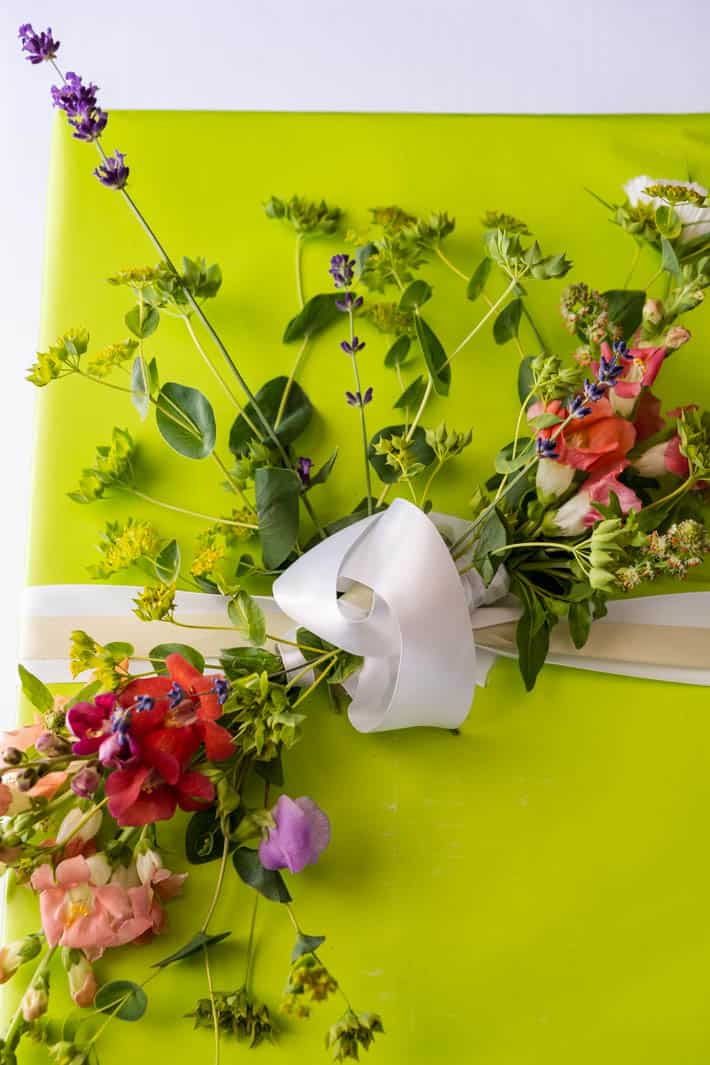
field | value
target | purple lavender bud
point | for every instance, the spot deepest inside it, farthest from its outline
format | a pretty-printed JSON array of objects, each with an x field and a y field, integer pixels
[
  {"x": 89, "y": 127},
  {"x": 175, "y": 695},
  {"x": 356, "y": 399},
  {"x": 143, "y": 702},
  {"x": 342, "y": 270},
  {"x": 620, "y": 349},
  {"x": 593, "y": 390},
  {"x": 39, "y": 47},
  {"x": 221, "y": 690},
  {"x": 367, "y": 398},
  {"x": 74, "y": 97},
  {"x": 86, "y": 782},
  {"x": 546, "y": 448},
  {"x": 349, "y": 302},
  {"x": 113, "y": 172},
  {"x": 609, "y": 369},
  {"x": 578, "y": 409},
  {"x": 345, "y": 346},
  {"x": 303, "y": 469}
]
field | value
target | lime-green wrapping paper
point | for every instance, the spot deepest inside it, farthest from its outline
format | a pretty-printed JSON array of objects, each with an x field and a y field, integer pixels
[{"x": 534, "y": 889}]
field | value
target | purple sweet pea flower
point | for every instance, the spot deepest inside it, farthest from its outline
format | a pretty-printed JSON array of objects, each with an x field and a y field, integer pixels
[
  {"x": 91, "y": 723},
  {"x": 303, "y": 469},
  {"x": 39, "y": 47},
  {"x": 300, "y": 835},
  {"x": 113, "y": 172},
  {"x": 74, "y": 97}
]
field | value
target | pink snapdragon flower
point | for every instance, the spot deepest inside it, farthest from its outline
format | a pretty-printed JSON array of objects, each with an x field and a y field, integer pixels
[
  {"x": 81, "y": 908},
  {"x": 640, "y": 368},
  {"x": 663, "y": 458},
  {"x": 579, "y": 512},
  {"x": 300, "y": 834},
  {"x": 82, "y": 982}
]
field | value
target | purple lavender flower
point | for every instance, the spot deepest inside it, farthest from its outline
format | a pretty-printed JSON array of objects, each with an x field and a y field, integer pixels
[
  {"x": 74, "y": 97},
  {"x": 119, "y": 750},
  {"x": 546, "y": 448},
  {"x": 620, "y": 349},
  {"x": 578, "y": 407},
  {"x": 86, "y": 782},
  {"x": 303, "y": 469},
  {"x": 221, "y": 690},
  {"x": 300, "y": 834},
  {"x": 144, "y": 702},
  {"x": 89, "y": 127},
  {"x": 39, "y": 47},
  {"x": 609, "y": 369},
  {"x": 593, "y": 390},
  {"x": 349, "y": 302},
  {"x": 356, "y": 399},
  {"x": 342, "y": 270},
  {"x": 113, "y": 172},
  {"x": 175, "y": 695},
  {"x": 351, "y": 347}
]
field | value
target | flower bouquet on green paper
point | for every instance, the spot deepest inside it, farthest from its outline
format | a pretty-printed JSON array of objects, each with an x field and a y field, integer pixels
[{"x": 598, "y": 491}]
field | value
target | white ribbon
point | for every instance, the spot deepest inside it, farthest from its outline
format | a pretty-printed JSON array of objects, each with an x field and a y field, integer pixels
[{"x": 387, "y": 588}]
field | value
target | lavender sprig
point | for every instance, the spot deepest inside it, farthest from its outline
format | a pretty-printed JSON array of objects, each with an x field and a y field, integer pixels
[{"x": 38, "y": 47}]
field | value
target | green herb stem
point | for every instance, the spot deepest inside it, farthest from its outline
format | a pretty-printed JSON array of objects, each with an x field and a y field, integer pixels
[
  {"x": 361, "y": 408},
  {"x": 190, "y": 513},
  {"x": 479, "y": 325}
]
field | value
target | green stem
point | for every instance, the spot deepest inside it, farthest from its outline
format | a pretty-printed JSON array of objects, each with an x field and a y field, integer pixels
[
  {"x": 190, "y": 513},
  {"x": 319, "y": 680},
  {"x": 427, "y": 487},
  {"x": 250, "y": 943},
  {"x": 213, "y": 1004},
  {"x": 309, "y": 666},
  {"x": 634, "y": 264},
  {"x": 361, "y": 407},
  {"x": 299, "y": 269},
  {"x": 223, "y": 384},
  {"x": 289, "y": 383},
  {"x": 13, "y": 1033},
  {"x": 491, "y": 310},
  {"x": 531, "y": 322},
  {"x": 447, "y": 262},
  {"x": 219, "y": 882},
  {"x": 420, "y": 411}
]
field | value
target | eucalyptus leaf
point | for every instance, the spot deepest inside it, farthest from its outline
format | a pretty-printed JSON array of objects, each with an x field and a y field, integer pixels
[
  {"x": 434, "y": 356},
  {"x": 315, "y": 316},
  {"x": 140, "y": 387},
  {"x": 198, "y": 942},
  {"x": 143, "y": 324},
  {"x": 412, "y": 395},
  {"x": 161, "y": 651},
  {"x": 268, "y": 882},
  {"x": 416, "y": 294},
  {"x": 277, "y": 502},
  {"x": 479, "y": 278},
  {"x": 167, "y": 564},
  {"x": 204, "y": 840},
  {"x": 296, "y": 415},
  {"x": 132, "y": 998},
  {"x": 507, "y": 323},
  {"x": 625, "y": 309},
  {"x": 306, "y": 945},
  {"x": 247, "y": 616},
  {"x": 526, "y": 380},
  {"x": 35, "y": 690},
  {"x": 398, "y": 352},
  {"x": 186, "y": 420}
]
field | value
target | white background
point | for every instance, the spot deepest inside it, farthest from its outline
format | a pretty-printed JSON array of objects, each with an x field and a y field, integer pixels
[{"x": 420, "y": 55}]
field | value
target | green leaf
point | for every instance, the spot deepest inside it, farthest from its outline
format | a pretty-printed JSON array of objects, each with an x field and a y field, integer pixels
[
  {"x": 491, "y": 535},
  {"x": 625, "y": 309},
  {"x": 533, "y": 641},
  {"x": 272, "y": 771},
  {"x": 416, "y": 294},
  {"x": 507, "y": 323},
  {"x": 313, "y": 646},
  {"x": 277, "y": 499},
  {"x": 434, "y": 356},
  {"x": 35, "y": 690},
  {"x": 161, "y": 651},
  {"x": 145, "y": 327},
  {"x": 479, "y": 277},
  {"x": 242, "y": 661},
  {"x": 315, "y": 316},
  {"x": 325, "y": 471},
  {"x": 418, "y": 449},
  {"x": 669, "y": 259},
  {"x": 247, "y": 616},
  {"x": 186, "y": 420},
  {"x": 85, "y": 694},
  {"x": 133, "y": 998},
  {"x": 580, "y": 623},
  {"x": 204, "y": 841},
  {"x": 526, "y": 380},
  {"x": 544, "y": 421},
  {"x": 140, "y": 388},
  {"x": 668, "y": 221},
  {"x": 167, "y": 564},
  {"x": 398, "y": 352},
  {"x": 202, "y": 939},
  {"x": 412, "y": 395},
  {"x": 306, "y": 945},
  {"x": 504, "y": 461},
  {"x": 268, "y": 882},
  {"x": 297, "y": 413}
]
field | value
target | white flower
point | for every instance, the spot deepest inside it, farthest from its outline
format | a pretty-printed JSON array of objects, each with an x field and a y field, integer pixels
[
  {"x": 653, "y": 462},
  {"x": 70, "y": 824},
  {"x": 696, "y": 220},
  {"x": 147, "y": 865},
  {"x": 553, "y": 478},
  {"x": 100, "y": 868},
  {"x": 569, "y": 519}
]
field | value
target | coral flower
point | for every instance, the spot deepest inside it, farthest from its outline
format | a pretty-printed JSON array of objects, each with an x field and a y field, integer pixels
[
  {"x": 81, "y": 909},
  {"x": 593, "y": 442}
]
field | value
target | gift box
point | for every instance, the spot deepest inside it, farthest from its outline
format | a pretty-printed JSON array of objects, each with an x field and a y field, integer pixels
[{"x": 532, "y": 888}]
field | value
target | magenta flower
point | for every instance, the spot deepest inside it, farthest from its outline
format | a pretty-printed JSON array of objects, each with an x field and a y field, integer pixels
[
  {"x": 91, "y": 723},
  {"x": 300, "y": 834}
]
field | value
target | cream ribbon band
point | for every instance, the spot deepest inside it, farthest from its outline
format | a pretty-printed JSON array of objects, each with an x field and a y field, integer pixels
[{"x": 387, "y": 588}]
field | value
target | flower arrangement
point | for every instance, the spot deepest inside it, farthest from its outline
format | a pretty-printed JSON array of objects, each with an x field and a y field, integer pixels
[{"x": 596, "y": 493}]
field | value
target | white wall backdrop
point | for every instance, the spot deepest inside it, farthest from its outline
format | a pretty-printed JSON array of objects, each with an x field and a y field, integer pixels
[{"x": 396, "y": 55}]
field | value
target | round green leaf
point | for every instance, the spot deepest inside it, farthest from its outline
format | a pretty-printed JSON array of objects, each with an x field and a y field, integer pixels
[
  {"x": 186, "y": 420},
  {"x": 277, "y": 497},
  {"x": 297, "y": 413},
  {"x": 415, "y": 295},
  {"x": 160, "y": 652},
  {"x": 130, "y": 999},
  {"x": 419, "y": 449},
  {"x": 398, "y": 352}
]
